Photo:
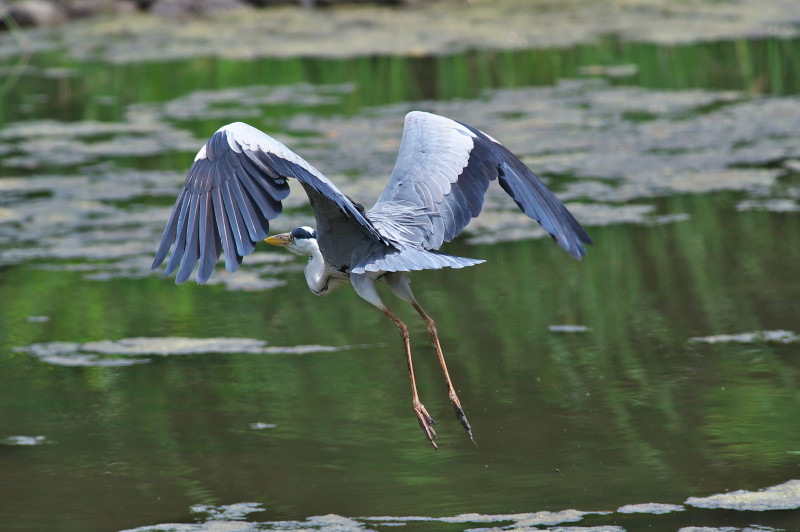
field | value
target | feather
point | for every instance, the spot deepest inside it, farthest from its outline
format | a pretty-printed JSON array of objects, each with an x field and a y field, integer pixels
[
  {"x": 224, "y": 231},
  {"x": 170, "y": 230},
  {"x": 209, "y": 240},
  {"x": 180, "y": 238},
  {"x": 446, "y": 166},
  {"x": 191, "y": 253},
  {"x": 231, "y": 206}
]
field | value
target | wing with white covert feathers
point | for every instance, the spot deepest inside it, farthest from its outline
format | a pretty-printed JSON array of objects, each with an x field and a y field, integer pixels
[
  {"x": 444, "y": 168},
  {"x": 232, "y": 190}
]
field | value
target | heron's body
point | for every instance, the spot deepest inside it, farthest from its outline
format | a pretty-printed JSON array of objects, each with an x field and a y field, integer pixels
[{"x": 438, "y": 184}]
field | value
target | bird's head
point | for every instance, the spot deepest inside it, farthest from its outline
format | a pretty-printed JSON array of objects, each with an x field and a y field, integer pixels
[{"x": 302, "y": 240}]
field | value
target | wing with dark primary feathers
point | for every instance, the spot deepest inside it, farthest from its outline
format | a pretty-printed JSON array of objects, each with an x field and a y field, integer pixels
[
  {"x": 232, "y": 190},
  {"x": 444, "y": 169}
]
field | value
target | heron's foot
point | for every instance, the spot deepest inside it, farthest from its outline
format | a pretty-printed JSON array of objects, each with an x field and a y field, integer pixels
[
  {"x": 426, "y": 423},
  {"x": 462, "y": 418}
]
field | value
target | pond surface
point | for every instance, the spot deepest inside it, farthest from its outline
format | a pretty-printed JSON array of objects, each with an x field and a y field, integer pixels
[{"x": 654, "y": 384}]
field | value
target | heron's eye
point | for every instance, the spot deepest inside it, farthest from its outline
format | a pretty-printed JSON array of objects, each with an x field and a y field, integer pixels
[{"x": 303, "y": 232}]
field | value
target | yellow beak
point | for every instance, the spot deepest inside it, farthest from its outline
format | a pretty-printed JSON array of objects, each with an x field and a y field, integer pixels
[{"x": 281, "y": 240}]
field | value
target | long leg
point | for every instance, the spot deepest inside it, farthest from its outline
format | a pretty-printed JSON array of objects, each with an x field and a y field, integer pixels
[
  {"x": 365, "y": 287},
  {"x": 425, "y": 420},
  {"x": 399, "y": 285}
]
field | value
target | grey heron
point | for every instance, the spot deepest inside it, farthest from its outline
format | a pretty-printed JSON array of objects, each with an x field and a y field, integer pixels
[{"x": 239, "y": 178}]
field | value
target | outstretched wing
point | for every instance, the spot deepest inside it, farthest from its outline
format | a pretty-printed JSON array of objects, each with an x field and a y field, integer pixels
[
  {"x": 232, "y": 190},
  {"x": 444, "y": 169}
]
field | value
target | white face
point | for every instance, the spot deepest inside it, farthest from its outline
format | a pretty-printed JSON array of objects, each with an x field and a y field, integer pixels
[{"x": 303, "y": 241}]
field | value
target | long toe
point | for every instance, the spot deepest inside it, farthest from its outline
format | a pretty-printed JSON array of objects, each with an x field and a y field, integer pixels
[
  {"x": 426, "y": 423},
  {"x": 462, "y": 417}
]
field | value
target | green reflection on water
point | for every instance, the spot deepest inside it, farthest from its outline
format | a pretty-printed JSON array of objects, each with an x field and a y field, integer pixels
[
  {"x": 98, "y": 91},
  {"x": 614, "y": 407}
]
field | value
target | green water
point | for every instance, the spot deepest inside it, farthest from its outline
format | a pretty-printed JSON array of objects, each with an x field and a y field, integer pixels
[{"x": 628, "y": 411}]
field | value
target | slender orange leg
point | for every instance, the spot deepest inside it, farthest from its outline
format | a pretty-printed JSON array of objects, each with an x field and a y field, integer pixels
[
  {"x": 425, "y": 420},
  {"x": 454, "y": 400}
]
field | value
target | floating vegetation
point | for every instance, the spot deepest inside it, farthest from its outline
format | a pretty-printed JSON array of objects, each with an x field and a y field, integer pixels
[
  {"x": 228, "y": 517},
  {"x": 569, "y": 328},
  {"x": 650, "y": 508},
  {"x": 241, "y": 103},
  {"x": 784, "y": 496},
  {"x": 47, "y": 143},
  {"x": 229, "y": 511},
  {"x": 757, "y": 528},
  {"x": 771, "y": 205},
  {"x": 611, "y": 71},
  {"x": 259, "y": 425},
  {"x": 129, "y": 351},
  {"x": 519, "y": 520},
  {"x": 23, "y": 440},
  {"x": 248, "y": 33},
  {"x": 779, "y": 336}
]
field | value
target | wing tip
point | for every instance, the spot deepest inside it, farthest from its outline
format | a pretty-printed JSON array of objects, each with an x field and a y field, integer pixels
[
  {"x": 574, "y": 246},
  {"x": 183, "y": 274}
]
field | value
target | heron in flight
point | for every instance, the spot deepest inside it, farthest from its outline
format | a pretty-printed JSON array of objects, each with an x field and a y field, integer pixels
[{"x": 239, "y": 178}]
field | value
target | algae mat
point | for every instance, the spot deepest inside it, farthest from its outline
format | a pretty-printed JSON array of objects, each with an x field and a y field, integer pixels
[{"x": 424, "y": 29}]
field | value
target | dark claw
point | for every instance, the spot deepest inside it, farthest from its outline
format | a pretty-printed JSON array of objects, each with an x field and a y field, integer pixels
[
  {"x": 426, "y": 423},
  {"x": 464, "y": 423},
  {"x": 462, "y": 418}
]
